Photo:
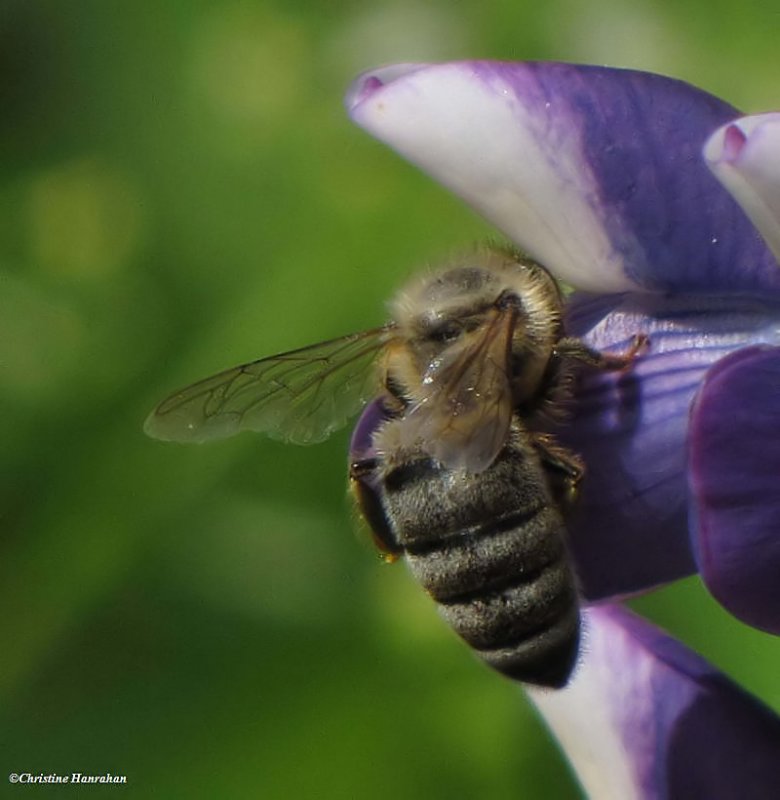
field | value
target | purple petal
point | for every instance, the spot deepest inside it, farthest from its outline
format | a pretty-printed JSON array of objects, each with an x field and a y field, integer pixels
[
  {"x": 745, "y": 157},
  {"x": 629, "y": 530},
  {"x": 361, "y": 445},
  {"x": 645, "y": 718},
  {"x": 595, "y": 172},
  {"x": 734, "y": 468}
]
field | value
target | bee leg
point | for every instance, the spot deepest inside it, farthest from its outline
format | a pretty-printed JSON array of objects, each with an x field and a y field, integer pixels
[
  {"x": 579, "y": 351},
  {"x": 564, "y": 469},
  {"x": 362, "y": 482},
  {"x": 362, "y": 468}
]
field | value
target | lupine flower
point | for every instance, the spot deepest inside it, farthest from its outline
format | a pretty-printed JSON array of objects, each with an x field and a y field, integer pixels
[
  {"x": 660, "y": 206},
  {"x": 645, "y": 718}
]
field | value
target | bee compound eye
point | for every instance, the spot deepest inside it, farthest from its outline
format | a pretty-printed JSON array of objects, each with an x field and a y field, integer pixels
[{"x": 445, "y": 332}]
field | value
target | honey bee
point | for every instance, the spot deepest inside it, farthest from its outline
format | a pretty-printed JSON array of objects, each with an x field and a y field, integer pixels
[{"x": 459, "y": 475}]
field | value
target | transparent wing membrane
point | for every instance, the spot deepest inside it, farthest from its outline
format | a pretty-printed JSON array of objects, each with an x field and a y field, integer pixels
[
  {"x": 465, "y": 417},
  {"x": 301, "y": 396}
]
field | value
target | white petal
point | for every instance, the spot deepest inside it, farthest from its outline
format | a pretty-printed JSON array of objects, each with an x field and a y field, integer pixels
[
  {"x": 512, "y": 154},
  {"x": 745, "y": 157},
  {"x": 585, "y": 715},
  {"x": 645, "y": 718}
]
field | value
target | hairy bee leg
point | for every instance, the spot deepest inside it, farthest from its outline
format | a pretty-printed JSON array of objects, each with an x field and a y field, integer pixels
[
  {"x": 370, "y": 507},
  {"x": 579, "y": 351},
  {"x": 564, "y": 468},
  {"x": 362, "y": 468}
]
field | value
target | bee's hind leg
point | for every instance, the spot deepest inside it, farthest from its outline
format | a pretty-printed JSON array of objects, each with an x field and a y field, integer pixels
[{"x": 564, "y": 469}]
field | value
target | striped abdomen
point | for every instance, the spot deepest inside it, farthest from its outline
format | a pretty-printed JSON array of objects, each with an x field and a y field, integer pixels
[{"x": 489, "y": 548}]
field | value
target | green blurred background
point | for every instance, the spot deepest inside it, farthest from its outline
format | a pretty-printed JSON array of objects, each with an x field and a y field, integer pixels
[{"x": 181, "y": 191}]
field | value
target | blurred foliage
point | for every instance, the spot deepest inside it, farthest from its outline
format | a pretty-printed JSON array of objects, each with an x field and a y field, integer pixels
[{"x": 181, "y": 191}]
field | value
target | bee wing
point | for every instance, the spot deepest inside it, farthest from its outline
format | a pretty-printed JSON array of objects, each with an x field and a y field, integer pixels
[
  {"x": 301, "y": 396},
  {"x": 464, "y": 418}
]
